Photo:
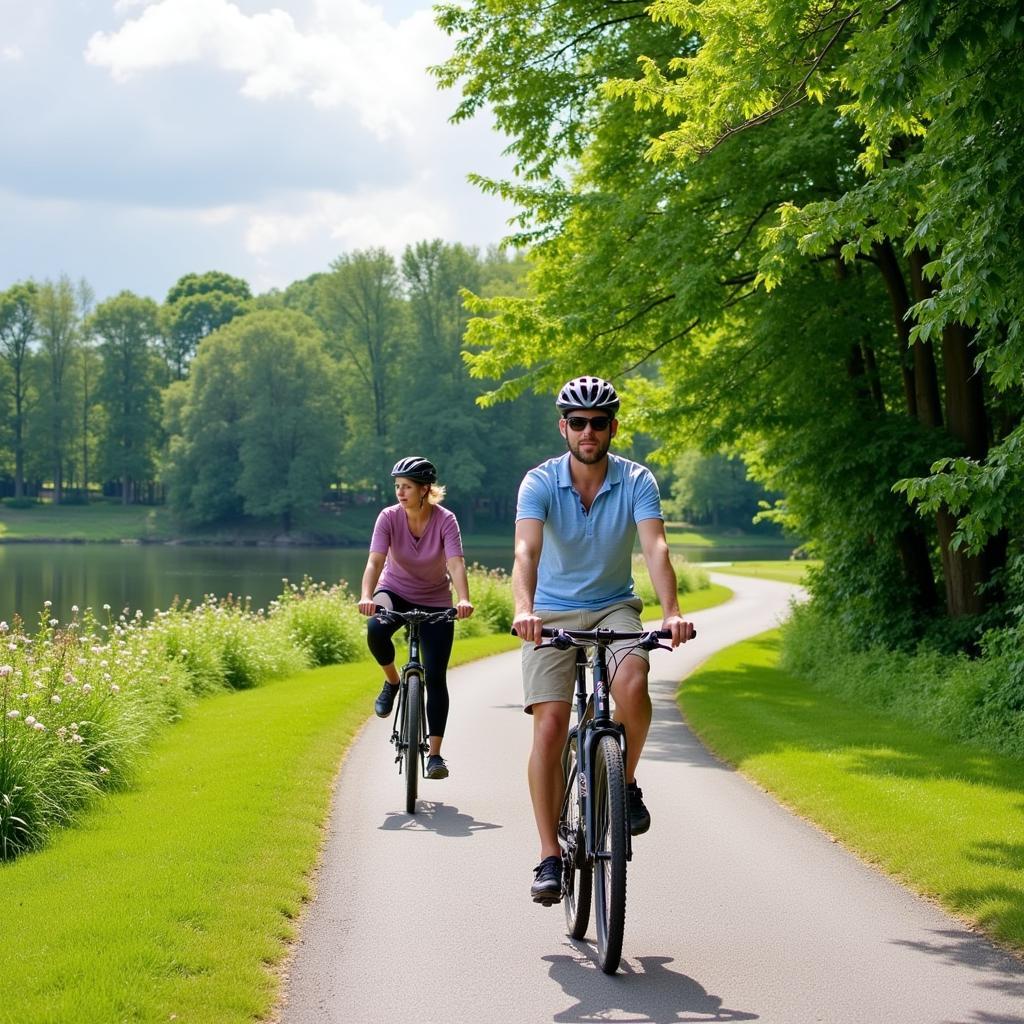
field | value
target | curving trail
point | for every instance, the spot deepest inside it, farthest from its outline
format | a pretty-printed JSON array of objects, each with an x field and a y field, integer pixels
[{"x": 737, "y": 910}]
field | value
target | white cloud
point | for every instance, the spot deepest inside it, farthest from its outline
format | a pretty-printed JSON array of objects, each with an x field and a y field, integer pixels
[
  {"x": 11, "y": 52},
  {"x": 349, "y": 56}
]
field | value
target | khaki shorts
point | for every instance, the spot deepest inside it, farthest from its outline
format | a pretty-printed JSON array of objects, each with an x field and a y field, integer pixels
[{"x": 548, "y": 674}]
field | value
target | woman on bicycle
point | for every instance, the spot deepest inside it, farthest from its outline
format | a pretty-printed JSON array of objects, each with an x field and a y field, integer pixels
[{"x": 415, "y": 559}]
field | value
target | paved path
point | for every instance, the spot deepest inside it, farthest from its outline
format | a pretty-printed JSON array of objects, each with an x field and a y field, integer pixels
[{"x": 736, "y": 909}]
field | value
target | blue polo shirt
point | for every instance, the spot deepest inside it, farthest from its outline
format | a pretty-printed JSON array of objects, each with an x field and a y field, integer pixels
[{"x": 586, "y": 560}]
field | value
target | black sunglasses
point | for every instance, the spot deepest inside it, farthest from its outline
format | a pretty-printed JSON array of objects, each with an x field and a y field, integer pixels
[{"x": 579, "y": 423}]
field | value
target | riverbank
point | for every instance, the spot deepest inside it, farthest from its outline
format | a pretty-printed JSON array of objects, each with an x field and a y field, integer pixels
[{"x": 103, "y": 522}]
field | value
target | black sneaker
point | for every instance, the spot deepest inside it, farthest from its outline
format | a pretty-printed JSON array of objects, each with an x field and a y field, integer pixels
[
  {"x": 639, "y": 816},
  {"x": 385, "y": 699},
  {"x": 547, "y": 883},
  {"x": 436, "y": 768}
]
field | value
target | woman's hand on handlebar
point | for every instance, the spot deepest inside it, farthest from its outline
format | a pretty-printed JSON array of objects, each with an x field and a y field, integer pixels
[
  {"x": 527, "y": 627},
  {"x": 680, "y": 629},
  {"x": 463, "y": 609},
  {"x": 367, "y": 606}
]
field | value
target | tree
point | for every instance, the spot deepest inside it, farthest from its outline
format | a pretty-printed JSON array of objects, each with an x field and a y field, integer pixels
[
  {"x": 18, "y": 319},
  {"x": 256, "y": 428},
  {"x": 363, "y": 318},
  {"x": 58, "y": 323},
  {"x": 716, "y": 237},
  {"x": 129, "y": 390},
  {"x": 196, "y": 305}
]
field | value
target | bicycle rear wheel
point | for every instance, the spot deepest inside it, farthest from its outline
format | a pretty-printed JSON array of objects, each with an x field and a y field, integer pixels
[
  {"x": 577, "y": 870},
  {"x": 412, "y": 728},
  {"x": 612, "y": 843}
]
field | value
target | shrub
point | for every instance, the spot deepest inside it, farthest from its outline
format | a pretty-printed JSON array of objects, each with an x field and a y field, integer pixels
[
  {"x": 689, "y": 578},
  {"x": 324, "y": 621},
  {"x": 491, "y": 593}
]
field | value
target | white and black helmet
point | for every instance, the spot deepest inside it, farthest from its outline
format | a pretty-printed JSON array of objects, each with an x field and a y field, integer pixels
[
  {"x": 588, "y": 393},
  {"x": 417, "y": 468}
]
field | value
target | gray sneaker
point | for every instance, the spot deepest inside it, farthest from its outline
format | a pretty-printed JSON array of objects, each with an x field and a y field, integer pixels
[{"x": 436, "y": 768}]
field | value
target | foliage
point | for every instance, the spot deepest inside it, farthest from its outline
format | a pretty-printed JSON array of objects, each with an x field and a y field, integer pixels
[
  {"x": 763, "y": 194},
  {"x": 689, "y": 578},
  {"x": 713, "y": 488},
  {"x": 491, "y": 593},
  {"x": 323, "y": 621},
  {"x": 967, "y": 700}
]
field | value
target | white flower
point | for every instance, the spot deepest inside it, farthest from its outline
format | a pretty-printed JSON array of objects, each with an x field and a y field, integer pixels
[
  {"x": 30, "y": 720},
  {"x": 13, "y": 714},
  {"x": 5, "y": 671},
  {"x": 12, "y": 647},
  {"x": 55, "y": 699},
  {"x": 87, "y": 688},
  {"x": 74, "y": 608},
  {"x": 4, "y": 627},
  {"x": 53, "y": 622},
  {"x": 106, "y": 607},
  {"x": 73, "y": 727},
  {"x": 39, "y": 727},
  {"x": 114, "y": 688},
  {"x": 76, "y": 738},
  {"x": 47, "y": 604},
  {"x": 62, "y": 731},
  {"x": 104, "y": 771}
]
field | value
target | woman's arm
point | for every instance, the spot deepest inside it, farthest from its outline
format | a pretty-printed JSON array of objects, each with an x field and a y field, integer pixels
[
  {"x": 457, "y": 571},
  {"x": 374, "y": 567}
]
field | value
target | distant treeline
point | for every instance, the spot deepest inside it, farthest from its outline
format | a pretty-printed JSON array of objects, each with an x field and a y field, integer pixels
[{"x": 227, "y": 405}]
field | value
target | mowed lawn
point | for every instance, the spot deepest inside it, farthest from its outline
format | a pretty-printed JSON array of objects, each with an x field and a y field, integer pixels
[
  {"x": 176, "y": 900},
  {"x": 946, "y": 819}
]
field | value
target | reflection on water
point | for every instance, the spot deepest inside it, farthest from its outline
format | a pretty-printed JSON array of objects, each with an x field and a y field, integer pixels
[{"x": 151, "y": 576}]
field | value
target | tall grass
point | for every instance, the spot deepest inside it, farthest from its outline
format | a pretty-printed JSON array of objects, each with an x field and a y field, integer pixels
[{"x": 689, "y": 579}]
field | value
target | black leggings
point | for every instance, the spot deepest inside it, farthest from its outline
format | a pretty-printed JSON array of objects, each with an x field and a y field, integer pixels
[{"x": 436, "y": 640}]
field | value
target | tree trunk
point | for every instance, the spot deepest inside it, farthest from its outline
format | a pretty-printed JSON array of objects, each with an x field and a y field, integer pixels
[{"x": 899, "y": 299}]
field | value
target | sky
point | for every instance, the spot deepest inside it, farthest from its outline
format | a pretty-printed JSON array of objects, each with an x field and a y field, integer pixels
[{"x": 147, "y": 139}]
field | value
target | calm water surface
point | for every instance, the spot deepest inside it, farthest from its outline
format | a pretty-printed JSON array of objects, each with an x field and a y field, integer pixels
[{"x": 151, "y": 576}]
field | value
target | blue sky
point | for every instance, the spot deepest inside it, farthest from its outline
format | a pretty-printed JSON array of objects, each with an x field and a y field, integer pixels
[{"x": 146, "y": 139}]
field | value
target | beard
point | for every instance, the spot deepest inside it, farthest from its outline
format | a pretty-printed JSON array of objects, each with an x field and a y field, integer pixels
[{"x": 591, "y": 457}]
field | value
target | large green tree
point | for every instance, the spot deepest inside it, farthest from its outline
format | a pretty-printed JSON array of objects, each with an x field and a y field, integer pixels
[
  {"x": 196, "y": 305},
  {"x": 671, "y": 246},
  {"x": 257, "y": 426},
  {"x": 130, "y": 377},
  {"x": 18, "y": 318}
]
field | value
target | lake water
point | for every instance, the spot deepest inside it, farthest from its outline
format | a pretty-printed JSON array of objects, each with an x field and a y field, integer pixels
[{"x": 151, "y": 576}]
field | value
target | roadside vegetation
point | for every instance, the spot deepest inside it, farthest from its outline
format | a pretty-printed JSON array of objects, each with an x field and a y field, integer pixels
[
  {"x": 81, "y": 701},
  {"x": 941, "y": 816},
  {"x": 793, "y": 571}
]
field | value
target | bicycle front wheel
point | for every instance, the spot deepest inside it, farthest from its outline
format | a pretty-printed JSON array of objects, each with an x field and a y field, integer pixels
[
  {"x": 577, "y": 870},
  {"x": 612, "y": 843},
  {"x": 413, "y": 729}
]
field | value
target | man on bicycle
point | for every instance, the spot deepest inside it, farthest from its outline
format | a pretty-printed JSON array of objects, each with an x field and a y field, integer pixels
[{"x": 577, "y": 518}]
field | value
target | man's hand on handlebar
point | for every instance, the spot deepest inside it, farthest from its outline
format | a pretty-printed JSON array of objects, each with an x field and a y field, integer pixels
[
  {"x": 680, "y": 629},
  {"x": 527, "y": 626}
]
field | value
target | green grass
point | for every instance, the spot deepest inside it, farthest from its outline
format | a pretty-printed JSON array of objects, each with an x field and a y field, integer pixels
[
  {"x": 945, "y": 819},
  {"x": 682, "y": 536},
  {"x": 100, "y": 521},
  {"x": 783, "y": 571},
  {"x": 695, "y": 601},
  {"x": 175, "y": 900}
]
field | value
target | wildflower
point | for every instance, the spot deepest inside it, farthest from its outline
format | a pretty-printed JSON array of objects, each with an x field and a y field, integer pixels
[
  {"x": 69, "y": 677},
  {"x": 74, "y": 608},
  {"x": 62, "y": 731},
  {"x": 13, "y": 714},
  {"x": 4, "y": 627},
  {"x": 104, "y": 771},
  {"x": 30, "y": 720},
  {"x": 47, "y": 604},
  {"x": 55, "y": 699},
  {"x": 115, "y": 689},
  {"x": 73, "y": 727},
  {"x": 39, "y": 727},
  {"x": 53, "y": 622},
  {"x": 12, "y": 647},
  {"x": 76, "y": 738},
  {"x": 5, "y": 671},
  {"x": 87, "y": 688},
  {"x": 106, "y": 607}
]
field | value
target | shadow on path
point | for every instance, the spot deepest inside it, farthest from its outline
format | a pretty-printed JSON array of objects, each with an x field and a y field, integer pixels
[
  {"x": 443, "y": 819},
  {"x": 651, "y": 995}
]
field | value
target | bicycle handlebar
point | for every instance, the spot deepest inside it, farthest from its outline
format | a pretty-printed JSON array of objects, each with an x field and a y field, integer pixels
[
  {"x": 417, "y": 616},
  {"x": 566, "y": 638}
]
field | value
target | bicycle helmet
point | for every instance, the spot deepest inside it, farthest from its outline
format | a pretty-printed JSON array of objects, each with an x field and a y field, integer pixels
[
  {"x": 417, "y": 468},
  {"x": 588, "y": 393}
]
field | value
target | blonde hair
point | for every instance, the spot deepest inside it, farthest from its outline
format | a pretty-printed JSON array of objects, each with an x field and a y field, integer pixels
[{"x": 437, "y": 493}]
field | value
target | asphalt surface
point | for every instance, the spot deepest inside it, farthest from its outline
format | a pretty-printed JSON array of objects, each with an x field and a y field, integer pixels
[{"x": 737, "y": 910}]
